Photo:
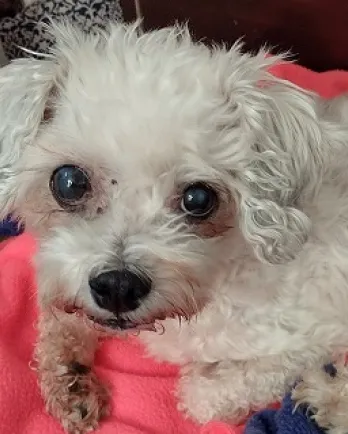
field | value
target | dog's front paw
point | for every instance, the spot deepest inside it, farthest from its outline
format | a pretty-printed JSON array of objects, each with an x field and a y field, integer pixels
[
  {"x": 204, "y": 395},
  {"x": 75, "y": 397},
  {"x": 327, "y": 398}
]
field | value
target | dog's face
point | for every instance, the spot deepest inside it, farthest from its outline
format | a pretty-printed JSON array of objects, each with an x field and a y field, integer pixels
[{"x": 147, "y": 165}]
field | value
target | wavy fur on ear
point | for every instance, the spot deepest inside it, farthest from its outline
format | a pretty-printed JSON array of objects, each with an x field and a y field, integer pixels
[
  {"x": 285, "y": 171},
  {"x": 24, "y": 88},
  {"x": 278, "y": 123}
]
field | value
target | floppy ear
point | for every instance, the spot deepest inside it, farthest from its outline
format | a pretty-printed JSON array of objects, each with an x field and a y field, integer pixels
[
  {"x": 283, "y": 149},
  {"x": 285, "y": 172},
  {"x": 24, "y": 89}
]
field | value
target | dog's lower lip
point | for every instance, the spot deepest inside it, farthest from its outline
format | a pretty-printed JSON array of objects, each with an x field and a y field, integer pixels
[
  {"x": 115, "y": 323},
  {"x": 122, "y": 324}
]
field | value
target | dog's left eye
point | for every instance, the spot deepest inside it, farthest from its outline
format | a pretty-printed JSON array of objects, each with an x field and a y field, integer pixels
[
  {"x": 69, "y": 185},
  {"x": 199, "y": 201}
]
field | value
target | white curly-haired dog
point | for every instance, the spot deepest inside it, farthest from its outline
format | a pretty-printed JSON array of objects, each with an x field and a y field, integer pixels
[{"x": 178, "y": 187}]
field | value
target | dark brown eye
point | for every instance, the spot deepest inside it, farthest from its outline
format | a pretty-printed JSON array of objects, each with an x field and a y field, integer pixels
[
  {"x": 199, "y": 201},
  {"x": 69, "y": 185}
]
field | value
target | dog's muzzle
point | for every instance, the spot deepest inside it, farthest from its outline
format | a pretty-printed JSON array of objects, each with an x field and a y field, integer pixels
[{"x": 119, "y": 291}]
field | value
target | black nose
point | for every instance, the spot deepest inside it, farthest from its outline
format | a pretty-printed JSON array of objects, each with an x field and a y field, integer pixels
[{"x": 119, "y": 290}]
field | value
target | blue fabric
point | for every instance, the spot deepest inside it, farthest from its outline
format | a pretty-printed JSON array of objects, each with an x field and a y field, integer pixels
[
  {"x": 284, "y": 420},
  {"x": 9, "y": 228}
]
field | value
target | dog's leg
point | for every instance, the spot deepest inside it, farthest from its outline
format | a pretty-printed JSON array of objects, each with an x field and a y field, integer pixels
[
  {"x": 327, "y": 397},
  {"x": 230, "y": 390},
  {"x": 64, "y": 357}
]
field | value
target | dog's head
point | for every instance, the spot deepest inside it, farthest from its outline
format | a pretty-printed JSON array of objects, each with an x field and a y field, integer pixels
[{"x": 147, "y": 164}]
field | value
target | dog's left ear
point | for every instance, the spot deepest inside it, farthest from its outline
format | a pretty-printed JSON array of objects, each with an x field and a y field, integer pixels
[
  {"x": 283, "y": 158},
  {"x": 24, "y": 90}
]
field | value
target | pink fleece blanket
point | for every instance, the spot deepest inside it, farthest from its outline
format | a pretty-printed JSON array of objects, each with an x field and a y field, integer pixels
[{"x": 143, "y": 402}]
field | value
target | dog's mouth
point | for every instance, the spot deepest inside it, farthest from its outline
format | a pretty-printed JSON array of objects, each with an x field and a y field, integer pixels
[
  {"x": 123, "y": 324},
  {"x": 117, "y": 322}
]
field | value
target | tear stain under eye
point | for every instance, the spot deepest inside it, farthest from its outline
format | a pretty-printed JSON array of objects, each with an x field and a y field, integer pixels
[{"x": 219, "y": 223}]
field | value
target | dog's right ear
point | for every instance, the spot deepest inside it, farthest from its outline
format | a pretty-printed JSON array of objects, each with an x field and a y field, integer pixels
[{"x": 25, "y": 87}]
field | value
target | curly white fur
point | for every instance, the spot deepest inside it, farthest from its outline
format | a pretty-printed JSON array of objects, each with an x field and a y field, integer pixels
[{"x": 265, "y": 283}]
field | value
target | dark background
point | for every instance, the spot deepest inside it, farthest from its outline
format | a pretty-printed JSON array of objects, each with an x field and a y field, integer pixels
[{"x": 316, "y": 31}]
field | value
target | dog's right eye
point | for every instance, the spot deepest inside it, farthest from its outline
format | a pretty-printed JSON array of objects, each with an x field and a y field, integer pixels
[
  {"x": 69, "y": 185},
  {"x": 199, "y": 201}
]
